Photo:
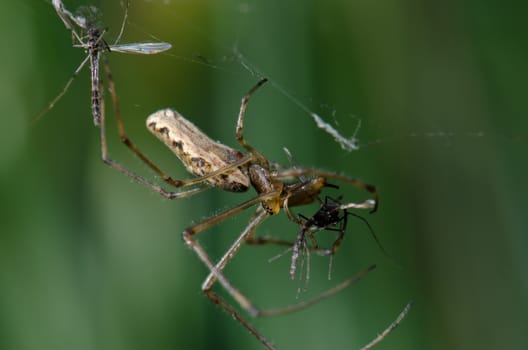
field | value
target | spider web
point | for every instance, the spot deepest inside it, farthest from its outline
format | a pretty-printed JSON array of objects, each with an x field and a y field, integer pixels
[{"x": 234, "y": 52}]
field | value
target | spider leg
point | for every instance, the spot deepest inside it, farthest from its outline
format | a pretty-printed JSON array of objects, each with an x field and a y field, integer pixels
[
  {"x": 391, "y": 327},
  {"x": 221, "y": 302},
  {"x": 289, "y": 213},
  {"x": 216, "y": 270},
  {"x": 140, "y": 179},
  {"x": 249, "y": 231},
  {"x": 251, "y": 239},
  {"x": 240, "y": 122},
  {"x": 320, "y": 297},
  {"x": 198, "y": 181},
  {"x": 297, "y": 172},
  {"x": 268, "y": 240}
]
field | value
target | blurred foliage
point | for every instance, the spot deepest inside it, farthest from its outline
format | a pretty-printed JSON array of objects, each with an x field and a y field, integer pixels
[{"x": 91, "y": 260}]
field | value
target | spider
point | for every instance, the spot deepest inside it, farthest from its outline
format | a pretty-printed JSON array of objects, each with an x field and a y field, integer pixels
[
  {"x": 217, "y": 165},
  {"x": 86, "y": 21}
]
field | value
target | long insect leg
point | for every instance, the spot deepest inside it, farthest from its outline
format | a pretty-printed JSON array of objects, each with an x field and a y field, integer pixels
[{"x": 63, "y": 91}]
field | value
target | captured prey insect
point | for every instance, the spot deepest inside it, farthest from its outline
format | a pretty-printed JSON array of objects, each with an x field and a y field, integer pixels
[
  {"x": 217, "y": 165},
  {"x": 332, "y": 215},
  {"x": 93, "y": 42}
]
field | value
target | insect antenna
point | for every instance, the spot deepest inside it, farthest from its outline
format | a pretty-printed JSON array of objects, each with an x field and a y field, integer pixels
[{"x": 374, "y": 236}]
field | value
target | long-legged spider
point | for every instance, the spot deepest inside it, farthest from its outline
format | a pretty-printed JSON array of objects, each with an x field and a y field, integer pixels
[{"x": 217, "y": 165}]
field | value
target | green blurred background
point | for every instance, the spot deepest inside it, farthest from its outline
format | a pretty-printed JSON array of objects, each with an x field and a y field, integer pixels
[{"x": 91, "y": 260}]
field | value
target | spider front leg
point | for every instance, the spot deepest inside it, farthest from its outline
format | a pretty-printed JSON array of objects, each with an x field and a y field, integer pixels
[{"x": 368, "y": 204}]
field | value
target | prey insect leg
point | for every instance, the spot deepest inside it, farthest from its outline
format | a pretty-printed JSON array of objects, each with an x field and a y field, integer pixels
[
  {"x": 64, "y": 89},
  {"x": 331, "y": 292}
]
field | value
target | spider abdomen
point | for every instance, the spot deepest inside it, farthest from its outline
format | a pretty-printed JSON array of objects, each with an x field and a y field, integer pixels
[{"x": 199, "y": 154}]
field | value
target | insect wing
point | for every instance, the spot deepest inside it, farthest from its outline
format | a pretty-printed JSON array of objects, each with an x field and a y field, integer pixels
[{"x": 141, "y": 48}]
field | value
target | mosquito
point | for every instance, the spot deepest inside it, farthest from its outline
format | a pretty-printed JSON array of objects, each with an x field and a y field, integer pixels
[{"x": 94, "y": 44}]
